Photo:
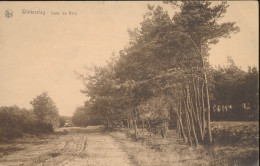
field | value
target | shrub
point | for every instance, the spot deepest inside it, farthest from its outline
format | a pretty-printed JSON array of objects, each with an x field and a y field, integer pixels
[{"x": 15, "y": 121}]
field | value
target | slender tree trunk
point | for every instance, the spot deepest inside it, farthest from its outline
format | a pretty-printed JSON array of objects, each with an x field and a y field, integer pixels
[
  {"x": 198, "y": 100},
  {"x": 127, "y": 121},
  {"x": 197, "y": 111},
  {"x": 135, "y": 127},
  {"x": 207, "y": 97},
  {"x": 178, "y": 129},
  {"x": 187, "y": 120},
  {"x": 149, "y": 127},
  {"x": 188, "y": 126},
  {"x": 142, "y": 125},
  {"x": 180, "y": 122},
  {"x": 203, "y": 109},
  {"x": 200, "y": 109},
  {"x": 122, "y": 123},
  {"x": 108, "y": 122},
  {"x": 199, "y": 49},
  {"x": 193, "y": 129},
  {"x": 138, "y": 119},
  {"x": 182, "y": 131},
  {"x": 208, "y": 108},
  {"x": 191, "y": 107},
  {"x": 191, "y": 118},
  {"x": 131, "y": 123},
  {"x": 163, "y": 129}
]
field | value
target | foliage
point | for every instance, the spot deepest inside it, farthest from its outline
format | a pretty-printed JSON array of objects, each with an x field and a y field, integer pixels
[
  {"x": 45, "y": 109},
  {"x": 15, "y": 121},
  {"x": 84, "y": 116},
  {"x": 155, "y": 109},
  {"x": 235, "y": 87},
  {"x": 62, "y": 121},
  {"x": 79, "y": 117}
]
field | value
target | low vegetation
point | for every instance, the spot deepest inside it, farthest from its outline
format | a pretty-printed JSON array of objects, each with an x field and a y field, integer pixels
[
  {"x": 43, "y": 118},
  {"x": 235, "y": 143}
]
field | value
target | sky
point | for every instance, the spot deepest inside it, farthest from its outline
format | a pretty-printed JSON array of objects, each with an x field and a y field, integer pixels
[{"x": 41, "y": 52}]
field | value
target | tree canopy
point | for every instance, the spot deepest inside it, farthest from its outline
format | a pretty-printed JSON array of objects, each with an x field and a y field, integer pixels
[{"x": 45, "y": 109}]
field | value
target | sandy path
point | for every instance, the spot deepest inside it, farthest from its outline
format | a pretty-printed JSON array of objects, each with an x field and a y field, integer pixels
[{"x": 80, "y": 147}]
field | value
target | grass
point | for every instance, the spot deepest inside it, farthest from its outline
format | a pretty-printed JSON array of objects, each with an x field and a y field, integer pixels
[
  {"x": 235, "y": 143},
  {"x": 8, "y": 146},
  {"x": 154, "y": 151},
  {"x": 240, "y": 134}
]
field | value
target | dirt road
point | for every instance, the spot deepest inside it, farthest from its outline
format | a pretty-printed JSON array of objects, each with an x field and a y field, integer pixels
[{"x": 76, "y": 147}]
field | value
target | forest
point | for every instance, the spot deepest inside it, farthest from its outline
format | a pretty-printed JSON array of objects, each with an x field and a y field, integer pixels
[{"x": 162, "y": 78}]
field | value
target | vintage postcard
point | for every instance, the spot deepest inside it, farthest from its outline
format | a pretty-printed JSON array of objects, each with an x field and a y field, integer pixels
[{"x": 129, "y": 83}]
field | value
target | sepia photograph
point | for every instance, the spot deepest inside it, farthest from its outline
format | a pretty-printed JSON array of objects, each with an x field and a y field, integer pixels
[{"x": 129, "y": 83}]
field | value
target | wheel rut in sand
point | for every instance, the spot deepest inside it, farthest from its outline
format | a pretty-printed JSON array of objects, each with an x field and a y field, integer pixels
[{"x": 79, "y": 147}]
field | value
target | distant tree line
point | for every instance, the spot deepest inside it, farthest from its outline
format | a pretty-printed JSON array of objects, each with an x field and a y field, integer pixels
[
  {"x": 85, "y": 116},
  {"x": 43, "y": 118},
  {"x": 162, "y": 77},
  {"x": 236, "y": 93}
]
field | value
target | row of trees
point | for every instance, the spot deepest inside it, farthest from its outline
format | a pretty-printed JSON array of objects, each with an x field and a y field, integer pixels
[
  {"x": 43, "y": 118},
  {"x": 161, "y": 76}
]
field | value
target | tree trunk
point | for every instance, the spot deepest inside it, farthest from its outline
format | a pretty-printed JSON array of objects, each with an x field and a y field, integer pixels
[
  {"x": 197, "y": 122},
  {"x": 203, "y": 109},
  {"x": 198, "y": 100},
  {"x": 199, "y": 49},
  {"x": 163, "y": 129},
  {"x": 108, "y": 123},
  {"x": 149, "y": 127},
  {"x": 131, "y": 123},
  {"x": 142, "y": 125},
  {"x": 122, "y": 123},
  {"x": 193, "y": 129},
  {"x": 135, "y": 127},
  {"x": 208, "y": 106},
  {"x": 190, "y": 110},
  {"x": 127, "y": 121},
  {"x": 178, "y": 129},
  {"x": 180, "y": 122},
  {"x": 197, "y": 111},
  {"x": 138, "y": 119},
  {"x": 187, "y": 122}
]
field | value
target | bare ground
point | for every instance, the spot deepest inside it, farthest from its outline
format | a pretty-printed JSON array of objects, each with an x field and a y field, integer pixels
[
  {"x": 76, "y": 147},
  {"x": 92, "y": 146}
]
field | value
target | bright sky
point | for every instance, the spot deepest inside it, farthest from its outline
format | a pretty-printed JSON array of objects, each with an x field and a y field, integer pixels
[{"x": 41, "y": 52}]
